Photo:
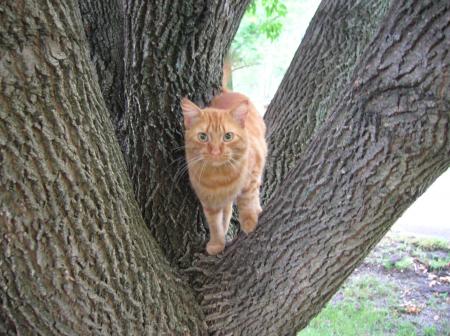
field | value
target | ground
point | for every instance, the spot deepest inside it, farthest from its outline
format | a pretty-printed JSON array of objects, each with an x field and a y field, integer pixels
[{"x": 402, "y": 288}]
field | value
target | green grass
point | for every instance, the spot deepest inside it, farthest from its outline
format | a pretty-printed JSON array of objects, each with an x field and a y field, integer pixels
[
  {"x": 436, "y": 301},
  {"x": 419, "y": 254},
  {"x": 357, "y": 314},
  {"x": 368, "y": 288},
  {"x": 368, "y": 306},
  {"x": 426, "y": 250},
  {"x": 347, "y": 318},
  {"x": 430, "y": 331},
  {"x": 432, "y": 252},
  {"x": 439, "y": 263},
  {"x": 432, "y": 244},
  {"x": 401, "y": 265},
  {"x": 404, "y": 264}
]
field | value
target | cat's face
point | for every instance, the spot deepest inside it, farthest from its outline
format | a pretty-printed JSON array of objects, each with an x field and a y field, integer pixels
[{"x": 213, "y": 136}]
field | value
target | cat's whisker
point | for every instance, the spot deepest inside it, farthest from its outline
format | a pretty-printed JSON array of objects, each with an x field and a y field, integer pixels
[
  {"x": 231, "y": 163},
  {"x": 201, "y": 171},
  {"x": 180, "y": 173},
  {"x": 178, "y": 159},
  {"x": 185, "y": 167},
  {"x": 193, "y": 160}
]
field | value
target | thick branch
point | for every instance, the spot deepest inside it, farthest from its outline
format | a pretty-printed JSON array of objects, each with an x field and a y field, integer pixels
[
  {"x": 173, "y": 48},
  {"x": 76, "y": 256},
  {"x": 386, "y": 141},
  {"x": 321, "y": 68}
]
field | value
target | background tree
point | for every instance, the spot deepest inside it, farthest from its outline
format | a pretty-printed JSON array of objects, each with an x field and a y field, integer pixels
[
  {"x": 78, "y": 257},
  {"x": 263, "y": 19}
]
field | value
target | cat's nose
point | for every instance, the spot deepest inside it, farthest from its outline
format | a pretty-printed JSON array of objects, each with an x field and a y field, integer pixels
[{"x": 215, "y": 151}]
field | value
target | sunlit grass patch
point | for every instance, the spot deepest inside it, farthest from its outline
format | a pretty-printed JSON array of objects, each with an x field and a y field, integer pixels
[
  {"x": 390, "y": 294},
  {"x": 432, "y": 244},
  {"x": 356, "y": 312},
  {"x": 430, "y": 331},
  {"x": 347, "y": 318},
  {"x": 439, "y": 263},
  {"x": 403, "y": 264}
]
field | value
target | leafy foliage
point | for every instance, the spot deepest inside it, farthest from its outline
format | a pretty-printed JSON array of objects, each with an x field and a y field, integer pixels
[{"x": 262, "y": 21}]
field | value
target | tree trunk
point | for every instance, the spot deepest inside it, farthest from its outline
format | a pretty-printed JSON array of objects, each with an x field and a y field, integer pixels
[
  {"x": 385, "y": 141},
  {"x": 173, "y": 49},
  {"x": 77, "y": 258},
  {"x": 104, "y": 28}
]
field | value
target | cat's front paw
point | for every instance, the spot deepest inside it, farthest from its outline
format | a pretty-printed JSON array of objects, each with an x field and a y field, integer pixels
[{"x": 214, "y": 248}]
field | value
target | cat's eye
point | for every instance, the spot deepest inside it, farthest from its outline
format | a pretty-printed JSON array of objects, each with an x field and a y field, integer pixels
[
  {"x": 228, "y": 136},
  {"x": 203, "y": 137}
]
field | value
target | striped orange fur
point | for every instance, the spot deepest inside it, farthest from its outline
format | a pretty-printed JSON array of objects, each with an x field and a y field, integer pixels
[{"x": 225, "y": 152}]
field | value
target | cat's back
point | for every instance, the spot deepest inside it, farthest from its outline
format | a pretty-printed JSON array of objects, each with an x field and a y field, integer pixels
[{"x": 227, "y": 100}]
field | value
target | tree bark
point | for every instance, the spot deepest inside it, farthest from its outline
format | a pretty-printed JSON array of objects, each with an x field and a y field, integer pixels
[
  {"x": 320, "y": 70},
  {"x": 384, "y": 143},
  {"x": 104, "y": 28},
  {"x": 173, "y": 49},
  {"x": 76, "y": 257}
]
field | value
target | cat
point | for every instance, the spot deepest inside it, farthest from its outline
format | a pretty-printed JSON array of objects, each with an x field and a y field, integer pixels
[{"x": 225, "y": 153}]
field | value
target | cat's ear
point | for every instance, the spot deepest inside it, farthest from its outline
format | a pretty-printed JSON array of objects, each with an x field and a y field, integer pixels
[
  {"x": 190, "y": 112},
  {"x": 240, "y": 113}
]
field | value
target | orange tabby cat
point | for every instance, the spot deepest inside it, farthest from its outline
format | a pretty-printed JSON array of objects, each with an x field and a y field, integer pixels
[{"x": 225, "y": 153}]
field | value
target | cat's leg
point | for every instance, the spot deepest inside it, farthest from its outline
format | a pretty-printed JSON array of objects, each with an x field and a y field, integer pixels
[
  {"x": 249, "y": 206},
  {"x": 216, "y": 242},
  {"x": 227, "y": 213}
]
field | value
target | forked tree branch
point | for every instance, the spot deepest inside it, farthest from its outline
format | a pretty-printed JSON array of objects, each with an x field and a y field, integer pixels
[
  {"x": 385, "y": 142},
  {"x": 321, "y": 69},
  {"x": 76, "y": 254}
]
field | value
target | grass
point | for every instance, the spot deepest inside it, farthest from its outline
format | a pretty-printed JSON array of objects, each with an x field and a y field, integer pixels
[
  {"x": 366, "y": 305},
  {"x": 424, "y": 252},
  {"x": 439, "y": 263},
  {"x": 430, "y": 331},
  {"x": 357, "y": 314},
  {"x": 432, "y": 244},
  {"x": 346, "y": 318},
  {"x": 436, "y": 300},
  {"x": 403, "y": 264},
  {"x": 398, "y": 253}
]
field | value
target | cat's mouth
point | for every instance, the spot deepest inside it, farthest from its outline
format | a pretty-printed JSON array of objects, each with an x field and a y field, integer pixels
[{"x": 216, "y": 161}]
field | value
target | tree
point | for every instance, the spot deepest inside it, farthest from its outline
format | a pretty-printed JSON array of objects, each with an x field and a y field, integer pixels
[
  {"x": 98, "y": 240},
  {"x": 262, "y": 21}
]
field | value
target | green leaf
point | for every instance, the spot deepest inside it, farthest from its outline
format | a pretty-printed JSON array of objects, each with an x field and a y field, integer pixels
[{"x": 263, "y": 20}]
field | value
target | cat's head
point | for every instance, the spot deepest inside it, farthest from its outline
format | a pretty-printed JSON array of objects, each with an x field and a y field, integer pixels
[{"x": 215, "y": 136}]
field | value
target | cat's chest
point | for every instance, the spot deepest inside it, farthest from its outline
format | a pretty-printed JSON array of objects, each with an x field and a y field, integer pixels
[
  {"x": 220, "y": 180},
  {"x": 217, "y": 186}
]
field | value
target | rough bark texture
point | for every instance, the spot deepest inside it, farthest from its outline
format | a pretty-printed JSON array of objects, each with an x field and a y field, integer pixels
[
  {"x": 321, "y": 68},
  {"x": 104, "y": 28},
  {"x": 76, "y": 257},
  {"x": 173, "y": 48},
  {"x": 385, "y": 141}
]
